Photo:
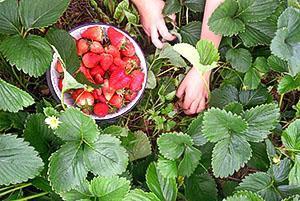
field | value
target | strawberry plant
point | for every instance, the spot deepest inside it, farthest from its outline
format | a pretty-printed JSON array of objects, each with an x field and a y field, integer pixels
[{"x": 243, "y": 147}]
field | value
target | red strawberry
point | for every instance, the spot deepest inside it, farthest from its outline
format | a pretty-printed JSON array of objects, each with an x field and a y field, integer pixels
[
  {"x": 98, "y": 79},
  {"x": 76, "y": 93},
  {"x": 127, "y": 49},
  {"x": 97, "y": 93},
  {"x": 119, "y": 62},
  {"x": 107, "y": 91},
  {"x": 116, "y": 101},
  {"x": 134, "y": 59},
  {"x": 82, "y": 46},
  {"x": 85, "y": 99},
  {"x": 96, "y": 47},
  {"x": 130, "y": 95},
  {"x": 59, "y": 67},
  {"x": 93, "y": 33},
  {"x": 113, "y": 51},
  {"x": 87, "y": 74},
  {"x": 60, "y": 84},
  {"x": 97, "y": 70},
  {"x": 106, "y": 60},
  {"x": 131, "y": 64},
  {"x": 112, "y": 68},
  {"x": 137, "y": 80},
  {"x": 115, "y": 36},
  {"x": 101, "y": 109},
  {"x": 90, "y": 59},
  {"x": 119, "y": 79}
]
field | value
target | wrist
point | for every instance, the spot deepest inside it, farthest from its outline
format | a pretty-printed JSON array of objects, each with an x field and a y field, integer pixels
[
  {"x": 205, "y": 75},
  {"x": 138, "y": 3}
]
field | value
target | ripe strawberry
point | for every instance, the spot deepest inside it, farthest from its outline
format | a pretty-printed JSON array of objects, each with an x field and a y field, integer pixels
[
  {"x": 101, "y": 109},
  {"x": 112, "y": 68},
  {"x": 119, "y": 79},
  {"x": 82, "y": 46},
  {"x": 85, "y": 99},
  {"x": 113, "y": 51},
  {"x": 87, "y": 74},
  {"x": 93, "y": 33},
  {"x": 98, "y": 79},
  {"x": 130, "y": 95},
  {"x": 97, "y": 93},
  {"x": 131, "y": 63},
  {"x": 127, "y": 49},
  {"x": 107, "y": 91},
  {"x": 59, "y": 67},
  {"x": 96, "y": 47},
  {"x": 106, "y": 60},
  {"x": 76, "y": 93},
  {"x": 90, "y": 59},
  {"x": 116, "y": 101},
  {"x": 137, "y": 80},
  {"x": 115, "y": 36},
  {"x": 119, "y": 62},
  {"x": 97, "y": 70},
  {"x": 134, "y": 59},
  {"x": 60, "y": 84}
]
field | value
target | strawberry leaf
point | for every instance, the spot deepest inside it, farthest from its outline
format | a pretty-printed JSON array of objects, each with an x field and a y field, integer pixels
[
  {"x": 141, "y": 146},
  {"x": 195, "y": 131},
  {"x": 190, "y": 32},
  {"x": 240, "y": 59},
  {"x": 277, "y": 64},
  {"x": 288, "y": 84},
  {"x": 244, "y": 196},
  {"x": 252, "y": 79},
  {"x": 294, "y": 176},
  {"x": 190, "y": 161},
  {"x": 208, "y": 52},
  {"x": 139, "y": 195},
  {"x": 167, "y": 168},
  {"x": 291, "y": 136},
  {"x": 9, "y": 17}
]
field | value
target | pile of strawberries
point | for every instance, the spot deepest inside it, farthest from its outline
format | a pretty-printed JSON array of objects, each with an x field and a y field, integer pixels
[{"x": 112, "y": 67}]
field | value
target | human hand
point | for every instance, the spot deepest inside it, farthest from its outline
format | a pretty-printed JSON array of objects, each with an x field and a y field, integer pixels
[
  {"x": 153, "y": 21},
  {"x": 193, "y": 92}
]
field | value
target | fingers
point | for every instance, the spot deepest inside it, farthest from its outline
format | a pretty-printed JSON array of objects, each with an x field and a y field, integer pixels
[
  {"x": 180, "y": 91},
  {"x": 154, "y": 38},
  {"x": 164, "y": 32},
  {"x": 202, "y": 105},
  {"x": 173, "y": 18},
  {"x": 193, "y": 108}
]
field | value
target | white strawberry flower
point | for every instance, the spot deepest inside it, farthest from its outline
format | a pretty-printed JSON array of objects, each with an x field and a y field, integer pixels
[{"x": 52, "y": 122}]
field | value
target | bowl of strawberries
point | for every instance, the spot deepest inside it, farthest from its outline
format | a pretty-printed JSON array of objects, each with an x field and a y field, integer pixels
[{"x": 112, "y": 64}]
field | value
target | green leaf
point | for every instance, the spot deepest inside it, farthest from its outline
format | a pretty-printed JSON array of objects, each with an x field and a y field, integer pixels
[
  {"x": 168, "y": 52},
  {"x": 172, "y": 145},
  {"x": 223, "y": 96},
  {"x": 34, "y": 48},
  {"x": 117, "y": 131},
  {"x": 259, "y": 159},
  {"x": 195, "y": 5},
  {"x": 280, "y": 171},
  {"x": 208, "y": 52},
  {"x": 293, "y": 198},
  {"x": 261, "y": 120},
  {"x": 13, "y": 99},
  {"x": 151, "y": 80},
  {"x": 195, "y": 131},
  {"x": 106, "y": 156},
  {"x": 191, "y": 32},
  {"x": 261, "y": 64},
  {"x": 46, "y": 12},
  {"x": 294, "y": 175},
  {"x": 19, "y": 161},
  {"x": 201, "y": 187},
  {"x": 81, "y": 193},
  {"x": 224, "y": 21},
  {"x": 164, "y": 188},
  {"x": 65, "y": 45},
  {"x": 285, "y": 45},
  {"x": 294, "y": 3},
  {"x": 289, "y": 190},
  {"x": 189, "y": 52},
  {"x": 244, "y": 196},
  {"x": 139, "y": 195},
  {"x": 171, "y": 7},
  {"x": 291, "y": 136},
  {"x": 234, "y": 107},
  {"x": 12, "y": 120},
  {"x": 262, "y": 184},
  {"x": 167, "y": 168},
  {"x": 69, "y": 82},
  {"x": 119, "y": 13},
  {"x": 77, "y": 126},
  {"x": 250, "y": 98},
  {"x": 109, "y": 188},
  {"x": 277, "y": 64},
  {"x": 288, "y": 84},
  {"x": 190, "y": 161},
  {"x": 9, "y": 17},
  {"x": 240, "y": 59},
  {"x": 219, "y": 124},
  {"x": 229, "y": 155},
  {"x": 256, "y": 10},
  {"x": 141, "y": 147},
  {"x": 66, "y": 168},
  {"x": 252, "y": 79}
]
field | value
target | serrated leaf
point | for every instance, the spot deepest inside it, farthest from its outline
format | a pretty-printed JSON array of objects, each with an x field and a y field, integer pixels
[
  {"x": 259, "y": 159},
  {"x": 164, "y": 188},
  {"x": 171, "y": 7},
  {"x": 285, "y": 45},
  {"x": 280, "y": 171},
  {"x": 261, "y": 120},
  {"x": 167, "y": 168},
  {"x": 189, "y": 52},
  {"x": 208, "y": 52},
  {"x": 261, "y": 64},
  {"x": 34, "y": 48},
  {"x": 168, "y": 52},
  {"x": 119, "y": 13},
  {"x": 277, "y": 64},
  {"x": 292, "y": 198},
  {"x": 252, "y": 79},
  {"x": 66, "y": 168},
  {"x": 9, "y": 17},
  {"x": 19, "y": 161},
  {"x": 289, "y": 190},
  {"x": 200, "y": 187},
  {"x": 151, "y": 80},
  {"x": 172, "y": 145},
  {"x": 288, "y": 84},
  {"x": 229, "y": 155},
  {"x": 106, "y": 156},
  {"x": 294, "y": 175},
  {"x": 80, "y": 193},
  {"x": 190, "y": 161},
  {"x": 66, "y": 47},
  {"x": 224, "y": 21},
  {"x": 195, "y": 131},
  {"x": 77, "y": 126},
  {"x": 191, "y": 32},
  {"x": 219, "y": 124},
  {"x": 69, "y": 82},
  {"x": 251, "y": 98},
  {"x": 117, "y": 131},
  {"x": 139, "y": 195},
  {"x": 234, "y": 107},
  {"x": 109, "y": 188},
  {"x": 240, "y": 59},
  {"x": 46, "y": 12},
  {"x": 141, "y": 146},
  {"x": 223, "y": 96},
  {"x": 244, "y": 196},
  {"x": 195, "y": 5},
  {"x": 291, "y": 136},
  {"x": 13, "y": 99}
]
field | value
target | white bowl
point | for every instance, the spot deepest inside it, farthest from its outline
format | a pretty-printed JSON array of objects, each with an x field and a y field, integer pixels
[{"x": 53, "y": 75}]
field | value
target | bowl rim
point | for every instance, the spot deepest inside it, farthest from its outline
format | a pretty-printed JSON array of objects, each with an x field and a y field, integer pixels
[{"x": 141, "y": 92}]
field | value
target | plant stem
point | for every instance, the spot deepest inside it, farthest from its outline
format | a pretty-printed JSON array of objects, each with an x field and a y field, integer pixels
[
  {"x": 5, "y": 188},
  {"x": 18, "y": 79},
  {"x": 32, "y": 196},
  {"x": 14, "y": 189},
  {"x": 281, "y": 100}
]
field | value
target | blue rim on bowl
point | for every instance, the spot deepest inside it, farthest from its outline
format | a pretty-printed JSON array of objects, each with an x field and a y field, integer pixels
[{"x": 52, "y": 75}]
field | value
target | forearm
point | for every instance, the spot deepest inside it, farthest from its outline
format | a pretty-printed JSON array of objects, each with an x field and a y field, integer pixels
[
  {"x": 210, "y": 7},
  {"x": 138, "y": 3}
]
